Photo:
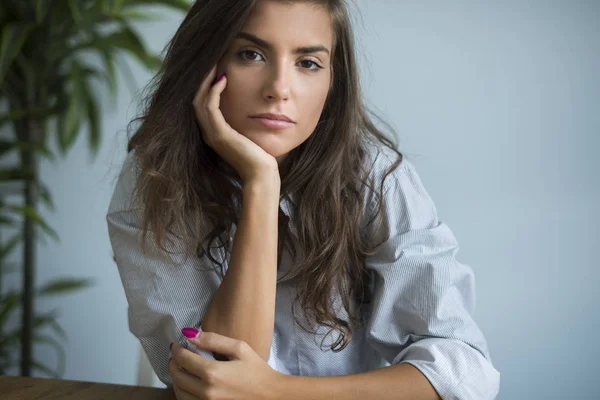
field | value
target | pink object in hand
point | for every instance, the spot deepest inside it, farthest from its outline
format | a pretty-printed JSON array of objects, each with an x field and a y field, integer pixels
[{"x": 190, "y": 332}]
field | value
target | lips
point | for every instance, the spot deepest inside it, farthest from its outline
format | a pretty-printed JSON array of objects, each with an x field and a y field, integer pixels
[
  {"x": 273, "y": 124},
  {"x": 274, "y": 117}
]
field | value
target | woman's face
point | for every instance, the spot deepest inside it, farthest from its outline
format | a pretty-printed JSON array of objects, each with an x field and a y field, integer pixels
[{"x": 279, "y": 63}]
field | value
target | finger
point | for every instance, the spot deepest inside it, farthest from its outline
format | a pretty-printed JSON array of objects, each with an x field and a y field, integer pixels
[
  {"x": 199, "y": 101},
  {"x": 184, "y": 381},
  {"x": 233, "y": 348},
  {"x": 181, "y": 394},
  {"x": 206, "y": 84},
  {"x": 213, "y": 103},
  {"x": 192, "y": 363},
  {"x": 175, "y": 368}
]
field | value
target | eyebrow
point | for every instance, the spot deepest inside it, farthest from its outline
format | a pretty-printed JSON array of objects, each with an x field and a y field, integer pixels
[{"x": 268, "y": 46}]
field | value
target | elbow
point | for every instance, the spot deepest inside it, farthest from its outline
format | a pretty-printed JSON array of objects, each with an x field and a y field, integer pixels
[
  {"x": 262, "y": 348},
  {"x": 265, "y": 356},
  {"x": 264, "y": 352}
]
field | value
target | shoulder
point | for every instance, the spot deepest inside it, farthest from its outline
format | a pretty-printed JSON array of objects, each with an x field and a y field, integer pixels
[
  {"x": 379, "y": 165},
  {"x": 407, "y": 202}
]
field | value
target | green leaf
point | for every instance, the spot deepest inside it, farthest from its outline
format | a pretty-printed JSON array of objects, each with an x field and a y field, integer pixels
[
  {"x": 42, "y": 320},
  {"x": 63, "y": 285},
  {"x": 6, "y": 221},
  {"x": 12, "y": 338},
  {"x": 61, "y": 133},
  {"x": 8, "y": 304},
  {"x": 41, "y": 10},
  {"x": 43, "y": 368},
  {"x": 39, "y": 322},
  {"x": 70, "y": 122},
  {"x": 154, "y": 62},
  {"x": 117, "y": 4},
  {"x": 128, "y": 40},
  {"x": 9, "y": 245},
  {"x": 181, "y": 5},
  {"x": 74, "y": 112},
  {"x": 92, "y": 72},
  {"x": 13, "y": 37},
  {"x": 33, "y": 112},
  {"x": 109, "y": 64},
  {"x": 60, "y": 351},
  {"x": 12, "y": 174},
  {"x": 6, "y": 146},
  {"x": 43, "y": 149},
  {"x": 93, "y": 118},
  {"x": 31, "y": 213},
  {"x": 101, "y": 6},
  {"x": 75, "y": 12},
  {"x": 58, "y": 329},
  {"x": 126, "y": 15},
  {"x": 45, "y": 196}
]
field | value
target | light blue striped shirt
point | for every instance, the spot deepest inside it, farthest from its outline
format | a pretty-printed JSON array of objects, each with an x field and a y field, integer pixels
[{"x": 422, "y": 297}]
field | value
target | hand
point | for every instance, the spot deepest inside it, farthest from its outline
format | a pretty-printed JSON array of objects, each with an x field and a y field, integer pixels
[
  {"x": 246, "y": 157},
  {"x": 246, "y": 376}
]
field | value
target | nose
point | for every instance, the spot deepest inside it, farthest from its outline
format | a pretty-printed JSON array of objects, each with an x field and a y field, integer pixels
[{"x": 277, "y": 85}]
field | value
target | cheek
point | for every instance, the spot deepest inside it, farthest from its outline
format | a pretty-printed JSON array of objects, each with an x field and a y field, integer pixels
[
  {"x": 312, "y": 107},
  {"x": 235, "y": 98},
  {"x": 229, "y": 104}
]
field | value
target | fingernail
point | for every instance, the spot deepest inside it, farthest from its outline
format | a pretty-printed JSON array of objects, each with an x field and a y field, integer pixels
[
  {"x": 190, "y": 333},
  {"x": 220, "y": 77}
]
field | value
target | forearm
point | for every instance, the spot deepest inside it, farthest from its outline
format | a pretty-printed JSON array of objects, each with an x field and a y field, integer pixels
[
  {"x": 398, "y": 382},
  {"x": 243, "y": 307}
]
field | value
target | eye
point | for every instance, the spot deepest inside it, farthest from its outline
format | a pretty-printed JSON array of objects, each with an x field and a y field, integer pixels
[
  {"x": 310, "y": 62},
  {"x": 248, "y": 52},
  {"x": 250, "y": 55}
]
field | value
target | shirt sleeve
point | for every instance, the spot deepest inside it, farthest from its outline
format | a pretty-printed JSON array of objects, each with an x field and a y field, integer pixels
[
  {"x": 165, "y": 291},
  {"x": 423, "y": 298}
]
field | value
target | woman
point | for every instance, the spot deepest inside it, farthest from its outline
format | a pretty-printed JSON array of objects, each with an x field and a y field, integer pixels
[{"x": 265, "y": 210}]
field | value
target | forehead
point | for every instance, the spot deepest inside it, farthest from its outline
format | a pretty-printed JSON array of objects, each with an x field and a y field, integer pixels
[{"x": 284, "y": 23}]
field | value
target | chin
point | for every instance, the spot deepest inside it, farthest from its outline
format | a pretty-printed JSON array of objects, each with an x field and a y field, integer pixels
[
  {"x": 278, "y": 153},
  {"x": 271, "y": 142}
]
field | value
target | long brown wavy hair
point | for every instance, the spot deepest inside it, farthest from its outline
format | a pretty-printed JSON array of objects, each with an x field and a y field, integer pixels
[{"x": 185, "y": 186}]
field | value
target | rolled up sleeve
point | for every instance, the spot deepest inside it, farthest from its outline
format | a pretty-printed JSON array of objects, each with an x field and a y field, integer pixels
[
  {"x": 423, "y": 298},
  {"x": 165, "y": 291}
]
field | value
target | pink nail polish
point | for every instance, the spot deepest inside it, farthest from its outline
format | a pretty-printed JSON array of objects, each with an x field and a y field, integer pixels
[
  {"x": 220, "y": 77},
  {"x": 190, "y": 332}
]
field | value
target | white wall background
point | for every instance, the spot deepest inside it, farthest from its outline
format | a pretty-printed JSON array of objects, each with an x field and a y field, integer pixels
[{"x": 498, "y": 106}]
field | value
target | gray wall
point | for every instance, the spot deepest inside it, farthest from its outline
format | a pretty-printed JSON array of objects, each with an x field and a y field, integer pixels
[{"x": 497, "y": 105}]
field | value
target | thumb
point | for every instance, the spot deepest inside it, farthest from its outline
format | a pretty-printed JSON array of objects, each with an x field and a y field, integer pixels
[{"x": 217, "y": 343}]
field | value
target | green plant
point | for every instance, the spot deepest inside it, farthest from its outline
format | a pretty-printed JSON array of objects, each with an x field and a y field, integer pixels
[{"x": 46, "y": 75}]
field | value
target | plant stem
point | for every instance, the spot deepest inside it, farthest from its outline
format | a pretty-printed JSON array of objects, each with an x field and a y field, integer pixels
[{"x": 29, "y": 162}]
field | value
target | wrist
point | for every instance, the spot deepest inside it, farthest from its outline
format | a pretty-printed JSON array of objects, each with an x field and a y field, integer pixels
[{"x": 268, "y": 183}]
